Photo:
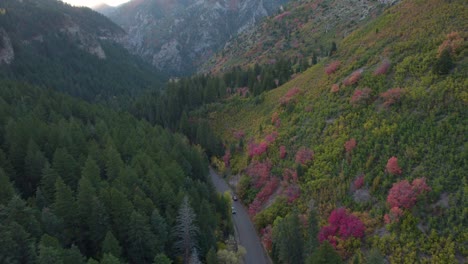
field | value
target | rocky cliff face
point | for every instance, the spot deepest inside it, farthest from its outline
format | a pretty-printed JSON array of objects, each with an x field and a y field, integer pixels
[
  {"x": 7, "y": 53},
  {"x": 32, "y": 22},
  {"x": 178, "y": 35}
]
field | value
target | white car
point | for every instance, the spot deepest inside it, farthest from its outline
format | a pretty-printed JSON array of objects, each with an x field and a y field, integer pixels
[{"x": 233, "y": 210}]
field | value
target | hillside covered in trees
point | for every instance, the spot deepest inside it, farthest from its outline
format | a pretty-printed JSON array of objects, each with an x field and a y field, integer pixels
[
  {"x": 72, "y": 50},
  {"x": 82, "y": 184},
  {"x": 366, "y": 149}
]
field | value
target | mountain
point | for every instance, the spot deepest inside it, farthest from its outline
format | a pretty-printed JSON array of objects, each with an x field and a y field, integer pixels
[
  {"x": 75, "y": 50},
  {"x": 177, "y": 36},
  {"x": 302, "y": 31},
  {"x": 104, "y": 9},
  {"x": 366, "y": 149}
]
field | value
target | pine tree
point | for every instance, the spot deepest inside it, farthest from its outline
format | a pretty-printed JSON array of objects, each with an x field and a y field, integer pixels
[
  {"x": 287, "y": 236},
  {"x": 141, "y": 240},
  {"x": 160, "y": 229},
  {"x": 111, "y": 245},
  {"x": 6, "y": 188},
  {"x": 49, "y": 177},
  {"x": 161, "y": 259},
  {"x": 185, "y": 231},
  {"x": 325, "y": 255},
  {"x": 312, "y": 235},
  {"x": 65, "y": 208}
]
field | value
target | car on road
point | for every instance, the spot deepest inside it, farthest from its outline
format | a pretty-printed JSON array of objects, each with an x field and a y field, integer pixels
[
  {"x": 234, "y": 197},
  {"x": 233, "y": 210}
]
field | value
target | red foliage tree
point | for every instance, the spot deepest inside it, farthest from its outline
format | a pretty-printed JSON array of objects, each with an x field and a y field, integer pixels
[
  {"x": 283, "y": 152},
  {"x": 289, "y": 96},
  {"x": 391, "y": 96},
  {"x": 420, "y": 186},
  {"x": 394, "y": 215},
  {"x": 270, "y": 138},
  {"x": 260, "y": 172},
  {"x": 401, "y": 195},
  {"x": 382, "y": 68},
  {"x": 289, "y": 175},
  {"x": 335, "y": 88},
  {"x": 359, "y": 182},
  {"x": 404, "y": 195},
  {"x": 267, "y": 191},
  {"x": 227, "y": 158},
  {"x": 360, "y": 95},
  {"x": 343, "y": 225},
  {"x": 255, "y": 149},
  {"x": 353, "y": 78},
  {"x": 350, "y": 145},
  {"x": 292, "y": 193},
  {"x": 392, "y": 166},
  {"x": 267, "y": 238},
  {"x": 304, "y": 155},
  {"x": 274, "y": 117},
  {"x": 453, "y": 43},
  {"x": 332, "y": 67},
  {"x": 254, "y": 207}
]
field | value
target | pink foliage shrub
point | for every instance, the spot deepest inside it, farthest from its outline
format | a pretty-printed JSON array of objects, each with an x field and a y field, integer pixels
[
  {"x": 289, "y": 175},
  {"x": 403, "y": 194},
  {"x": 227, "y": 158},
  {"x": 270, "y": 138},
  {"x": 392, "y": 166},
  {"x": 304, "y": 155},
  {"x": 394, "y": 215},
  {"x": 292, "y": 193},
  {"x": 343, "y": 225},
  {"x": 263, "y": 196},
  {"x": 360, "y": 95},
  {"x": 274, "y": 117},
  {"x": 353, "y": 78},
  {"x": 281, "y": 16},
  {"x": 391, "y": 96},
  {"x": 332, "y": 67},
  {"x": 359, "y": 182},
  {"x": 242, "y": 91},
  {"x": 289, "y": 96},
  {"x": 335, "y": 88},
  {"x": 255, "y": 149},
  {"x": 260, "y": 172},
  {"x": 453, "y": 43},
  {"x": 254, "y": 207},
  {"x": 267, "y": 239},
  {"x": 350, "y": 145},
  {"x": 283, "y": 152},
  {"x": 267, "y": 190},
  {"x": 382, "y": 68},
  {"x": 420, "y": 186}
]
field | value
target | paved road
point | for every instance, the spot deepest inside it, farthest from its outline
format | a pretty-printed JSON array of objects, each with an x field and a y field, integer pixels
[{"x": 246, "y": 234}]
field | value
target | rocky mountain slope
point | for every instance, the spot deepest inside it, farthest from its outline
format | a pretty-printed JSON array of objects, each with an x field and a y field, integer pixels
[
  {"x": 47, "y": 42},
  {"x": 367, "y": 148},
  {"x": 177, "y": 36},
  {"x": 303, "y": 30}
]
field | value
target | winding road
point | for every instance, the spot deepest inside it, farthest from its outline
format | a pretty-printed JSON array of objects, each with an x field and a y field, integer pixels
[{"x": 245, "y": 231}]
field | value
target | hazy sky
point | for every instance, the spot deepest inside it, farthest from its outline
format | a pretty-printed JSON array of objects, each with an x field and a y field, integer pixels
[{"x": 91, "y": 3}]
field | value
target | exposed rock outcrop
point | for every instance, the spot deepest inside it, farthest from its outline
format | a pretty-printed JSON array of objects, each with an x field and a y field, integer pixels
[
  {"x": 178, "y": 35},
  {"x": 7, "y": 54}
]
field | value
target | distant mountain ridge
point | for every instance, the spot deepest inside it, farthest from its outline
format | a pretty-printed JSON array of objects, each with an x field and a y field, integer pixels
[
  {"x": 104, "y": 9},
  {"x": 302, "y": 30},
  {"x": 70, "y": 49},
  {"x": 179, "y": 35}
]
